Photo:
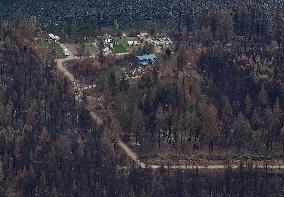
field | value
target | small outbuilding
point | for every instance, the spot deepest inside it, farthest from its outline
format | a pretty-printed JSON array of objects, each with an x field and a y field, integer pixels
[{"x": 132, "y": 43}]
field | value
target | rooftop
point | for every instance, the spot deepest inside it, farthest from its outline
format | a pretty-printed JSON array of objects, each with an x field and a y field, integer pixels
[{"x": 147, "y": 57}]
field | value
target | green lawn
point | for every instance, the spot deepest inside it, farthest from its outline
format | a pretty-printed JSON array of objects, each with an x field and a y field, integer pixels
[
  {"x": 43, "y": 42},
  {"x": 119, "y": 48},
  {"x": 123, "y": 47},
  {"x": 123, "y": 41},
  {"x": 58, "y": 50},
  {"x": 91, "y": 39}
]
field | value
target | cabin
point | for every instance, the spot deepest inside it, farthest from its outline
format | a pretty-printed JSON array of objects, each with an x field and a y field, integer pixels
[
  {"x": 145, "y": 60},
  {"x": 53, "y": 37}
]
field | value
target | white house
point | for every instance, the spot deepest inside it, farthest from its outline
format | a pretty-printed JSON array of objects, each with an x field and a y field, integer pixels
[{"x": 53, "y": 37}]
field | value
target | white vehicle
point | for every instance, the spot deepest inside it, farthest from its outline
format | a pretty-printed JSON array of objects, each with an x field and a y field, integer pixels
[
  {"x": 135, "y": 43},
  {"x": 56, "y": 38},
  {"x": 66, "y": 53},
  {"x": 130, "y": 43}
]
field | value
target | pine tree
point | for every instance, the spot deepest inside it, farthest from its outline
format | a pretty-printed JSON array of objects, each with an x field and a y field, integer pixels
[
  {"x": 82, "y": 50},
  {"x": 181, "y": 62},
  {"x": 79, "y": 147},
  {"x": 277, "y": 109},
  {"x": 256, "y": 120},
  {"x": 227, "y": 112},
  {"x": 42, "y": 147},
  {"x": 241, "y": 131},
  {"x": 282, "y": 138},
  {"x": 64, "y": 146},
  {"x": 278, "y": 25},
  {"x": 1, "y": 174},
  {"x": 138, "y": 125},
  {"x": 262, "y": 96},
  {"x": 210, "y": 125},
  {"x": 160, "y": 123},
  {"x": 248, "y": 105},
  {"x": 115, "y": 26},
  {"x": 227, "y": 116},
  {"x": 19, "y": 20},
  {"x": 8, "y": 115},
  {"x": 224, "y": 26}
]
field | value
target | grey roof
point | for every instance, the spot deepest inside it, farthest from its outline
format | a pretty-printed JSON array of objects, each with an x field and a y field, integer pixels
[{"x": 151, "y": 57}]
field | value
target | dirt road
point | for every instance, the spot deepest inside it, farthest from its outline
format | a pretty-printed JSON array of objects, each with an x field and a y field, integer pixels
[
  {"x": 128, "y": 151},
  {"x": 135, "y": 158}
]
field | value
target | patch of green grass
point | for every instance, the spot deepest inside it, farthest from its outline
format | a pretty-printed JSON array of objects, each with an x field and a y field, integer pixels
[
  {"x": 91, "y": 39},
  {"x": 123, "y": 41},
  {"x": 119, "y": 48},
  {"x": 43, "y": 42},
  {"x": 58, "y": 50}
]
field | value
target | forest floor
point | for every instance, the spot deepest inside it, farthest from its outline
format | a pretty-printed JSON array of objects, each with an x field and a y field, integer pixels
[{"x": 153, "y": 160}]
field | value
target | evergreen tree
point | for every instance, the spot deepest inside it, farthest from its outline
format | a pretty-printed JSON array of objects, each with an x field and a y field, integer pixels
[
  {"x": 248, "y": 105},
  {"x": 262, "y": 96}
]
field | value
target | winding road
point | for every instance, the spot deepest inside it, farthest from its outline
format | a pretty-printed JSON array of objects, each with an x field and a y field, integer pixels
[{"x": 128, "y": 151}]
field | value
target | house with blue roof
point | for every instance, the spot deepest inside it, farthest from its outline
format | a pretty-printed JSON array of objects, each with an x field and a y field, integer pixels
[{"x": 145, "y": 60}]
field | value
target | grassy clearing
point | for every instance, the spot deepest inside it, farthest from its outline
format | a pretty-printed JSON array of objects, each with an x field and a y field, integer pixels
[
  {"x": 58, "y": 50},
  {"x": 119, "y": 49},
  {"x": 56, "y": 46},
  {"x": 91, "y": 39},
  {"x": 123, "y": 41},
  {"x": 43, "y": 42}
]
